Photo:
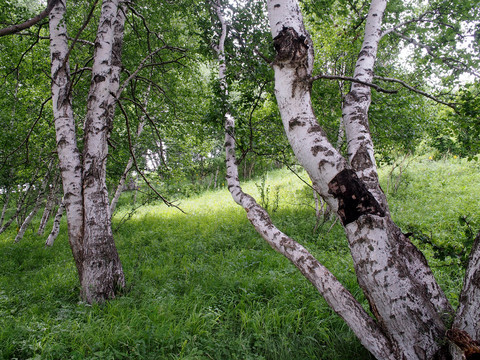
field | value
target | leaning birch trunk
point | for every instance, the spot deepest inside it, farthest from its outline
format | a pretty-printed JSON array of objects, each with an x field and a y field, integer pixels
[
  {"x": 336, "y": 295},
  {"x": 403, "y": 294},
  {"x": 19, "y": 208},
  {"x": 102, "y": 269},
  {"x": 51, "y": 200},
  {"x": 26, "y": 222},
  {"x": 56, "y": 224},
  {"x": 68, "y": 154},
  {"x": 38, "y": 202},
  {"x": 5, "y": 206},
  {"x": 120, "y": 186}
]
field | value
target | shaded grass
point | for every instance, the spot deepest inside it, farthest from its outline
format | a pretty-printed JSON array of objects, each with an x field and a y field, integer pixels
[{"x": 204, "y": 285}]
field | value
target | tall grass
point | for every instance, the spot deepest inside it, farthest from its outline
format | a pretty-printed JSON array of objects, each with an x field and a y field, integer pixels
[{"x": 204, "y": 285}]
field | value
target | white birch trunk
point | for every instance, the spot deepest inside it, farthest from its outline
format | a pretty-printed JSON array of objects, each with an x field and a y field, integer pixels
[
  {"x": 56, "y": 225},
  {"x": 120, "y": 186},
  {"x": 19, "y": 208},
  {"x": 51, "y": 200},
  {"x": 5, "y": 206},
  {"x": 341, "y": 301},
  {"x": 357, "y": 103},
  {"x": 394, "y": 276},
  {"x": 103, "y": 273},
  {"x": 68, "y": 154},
  {"x": 26, "y": 222},
  {"x": 38, "y": 202},
  {"x": 467, "y": 317}
]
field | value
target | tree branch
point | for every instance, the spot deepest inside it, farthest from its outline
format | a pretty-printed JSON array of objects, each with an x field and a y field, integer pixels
[
  {"x": 132, "y": 153},
  {"x": 411, "y": 88},
  {"x": 12, "y": 29},
  {"x": 352, "y": 79}
]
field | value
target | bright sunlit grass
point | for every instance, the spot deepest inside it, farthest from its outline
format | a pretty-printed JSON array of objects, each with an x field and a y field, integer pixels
[{"x": 203, "y": 285}]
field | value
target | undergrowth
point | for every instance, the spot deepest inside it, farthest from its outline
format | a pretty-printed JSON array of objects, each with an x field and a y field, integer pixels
[{"x": 204, "y": 285}]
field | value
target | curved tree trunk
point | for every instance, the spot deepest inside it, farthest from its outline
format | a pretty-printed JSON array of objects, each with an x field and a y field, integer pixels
[
  {"x": 51, "y": 201},
  {"x": 337, "y": 296}
]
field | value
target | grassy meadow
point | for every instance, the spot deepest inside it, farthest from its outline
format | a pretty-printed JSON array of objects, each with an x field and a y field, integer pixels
[{"x": 204, "y": 285}]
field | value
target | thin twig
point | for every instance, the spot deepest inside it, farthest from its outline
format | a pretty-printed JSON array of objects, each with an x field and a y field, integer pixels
[
  {"x": 352, "y": 79},
  {"x": 12, "y": 29},
  {"x": 409, "y": 87},
  {"x": 132, "y": 153}
]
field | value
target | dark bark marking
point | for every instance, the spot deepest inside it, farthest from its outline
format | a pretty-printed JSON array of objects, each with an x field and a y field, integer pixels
[
  {"x": 354, "y": 199},
  {"x": 295, "y": 122},
  {"x": 317, "y": 148},
  {"x": 361, "y": 160},
  {"x": 276, "y": 6},
  {"x": 98, "y": 78},
  {"x": 290, "y": 46},
  {"x": 315, "y": 128}
]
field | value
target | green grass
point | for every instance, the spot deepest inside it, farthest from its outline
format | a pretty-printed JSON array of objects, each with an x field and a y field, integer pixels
[{"x": 204, "y": 285}]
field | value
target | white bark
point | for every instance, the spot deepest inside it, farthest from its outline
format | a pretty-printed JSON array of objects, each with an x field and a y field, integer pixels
[
  {"x": 341, "y": 301},
  {"x": 51, "y": 200},
  {"x": 22, "y": 198},
  {"x": 357, "y": 103},
  {"x": 467, "y": 317},
  {"x": 26, "y": 222},
  {"x": 68, "y": 154},
  {"x": 103, "y": 272},
  {"x": 393, "y": 274},
  {"x": 38, "y": 201},
  {"x": 56, "y": 225},
  {"x": 5, "y": 206}
]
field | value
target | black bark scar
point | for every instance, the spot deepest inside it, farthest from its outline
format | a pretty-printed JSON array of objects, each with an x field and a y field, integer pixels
[
  {"x": 354, "y": 199},
  {"x": 290, "y": 46}
]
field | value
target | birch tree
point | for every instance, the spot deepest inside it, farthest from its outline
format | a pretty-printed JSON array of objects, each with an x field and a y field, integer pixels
[
  {"x": 411, "y": 316},
  {"x": 84, "y": 175}
]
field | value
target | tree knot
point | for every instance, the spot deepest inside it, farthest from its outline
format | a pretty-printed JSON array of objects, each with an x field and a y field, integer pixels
[{"x": 290, "y": 47}]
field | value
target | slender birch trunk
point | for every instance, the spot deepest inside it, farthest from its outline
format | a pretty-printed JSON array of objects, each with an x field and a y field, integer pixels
[
  {"x": 103, "y": 273},
  {"x": 20, "y": 203},
  {"x": 26, "y": 222},
  {"x": 5, "y": 206},
  {"x": 38, "y": 202},
  {"x": 56, "y": 224},
  {"x": 51, "y": 200},
  {"x": 69, "y": 156}
]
